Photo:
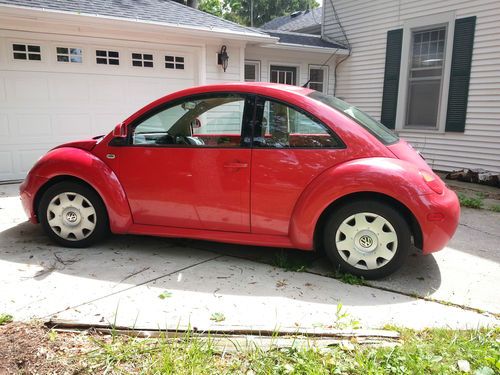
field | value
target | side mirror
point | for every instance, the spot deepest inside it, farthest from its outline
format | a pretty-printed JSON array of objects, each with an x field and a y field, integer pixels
[
  {"x": 120, "y": 130},
  {"x": 119, "y": 135}
]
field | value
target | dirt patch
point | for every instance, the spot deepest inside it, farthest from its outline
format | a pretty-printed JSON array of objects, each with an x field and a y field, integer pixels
[{"x": 33, "y": 349}]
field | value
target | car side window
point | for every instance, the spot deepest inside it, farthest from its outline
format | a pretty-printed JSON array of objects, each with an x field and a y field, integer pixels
[
  {"x": 278, "y": 125},
  {"x": 211, "y": 121}
]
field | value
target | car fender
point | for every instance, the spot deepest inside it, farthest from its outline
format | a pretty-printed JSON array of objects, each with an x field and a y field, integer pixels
[
  {"x": 395, "y": 178},
  {"x": 74, "y": 162}
]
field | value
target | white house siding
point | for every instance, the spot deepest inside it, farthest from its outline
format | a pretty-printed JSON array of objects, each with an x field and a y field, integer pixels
[
  {"x": 360, "y": 78},
  {"x": 301, "y": 60}
]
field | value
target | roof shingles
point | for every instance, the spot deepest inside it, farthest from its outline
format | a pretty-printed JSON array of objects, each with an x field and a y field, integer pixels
[
  {"x": 303, "y": 39},
  {"x": 164, "y": 11},
  {"x": 298, "y": 22}
]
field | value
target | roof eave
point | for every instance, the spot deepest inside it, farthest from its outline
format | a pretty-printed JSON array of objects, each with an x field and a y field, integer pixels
[
  {"x": 195, "y": 30},
  {"x": 305, "y": 48}
]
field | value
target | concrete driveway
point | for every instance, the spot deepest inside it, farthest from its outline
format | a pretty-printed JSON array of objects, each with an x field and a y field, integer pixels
[{"x": 154, "y": 283}]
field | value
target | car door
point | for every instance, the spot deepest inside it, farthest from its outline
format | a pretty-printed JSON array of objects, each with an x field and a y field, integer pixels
[
  {"x": 290, "y": 149},
  {"x": 187, "y": 164}
]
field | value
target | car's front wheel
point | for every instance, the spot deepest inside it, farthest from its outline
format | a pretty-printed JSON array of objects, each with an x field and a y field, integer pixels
[
  {"x": 367, "y": 238},
  {"x": 73, "y": 215}
]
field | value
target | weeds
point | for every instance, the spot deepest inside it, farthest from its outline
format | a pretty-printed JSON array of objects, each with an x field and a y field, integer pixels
[
  {"x": 471, "y": 202},
  {"x": 5, "y": 318},
  {"x": 217, "y": 317},
  {"x": 431, "y": 351},
  {"x": 344, "y": 319},
  {"x": 283, "y": 260},
  {"x": 348, "y": 278},
  {"x": 495, "y": 208}
]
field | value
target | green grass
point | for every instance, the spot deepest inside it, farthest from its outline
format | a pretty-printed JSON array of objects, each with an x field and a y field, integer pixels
[
  {"x": 471, "y": 202},
  {"x": 433, "y": 351},
  {"x": 5, "y": 318}
]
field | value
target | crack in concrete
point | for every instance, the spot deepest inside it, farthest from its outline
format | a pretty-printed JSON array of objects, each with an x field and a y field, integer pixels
[
  {"x": 134, "y": 286},
  {"x": 411, "y": 295},
  {"x": 479, "y": 230}
]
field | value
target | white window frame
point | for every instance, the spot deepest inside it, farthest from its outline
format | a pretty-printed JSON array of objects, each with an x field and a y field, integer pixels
[
  {"x": 443, "y": 19},
  {"x": 255, "y": 63},
  {"x": 142, "y": 60},
  {"x": 174, "y": 62},
  {"x": 108, "y": 49},
  {"x": 288, "y": 65},
  {"x": 69, "y": 54},
  {"x": 27, "y": 43},
  {"x": 324, "y": 68}
]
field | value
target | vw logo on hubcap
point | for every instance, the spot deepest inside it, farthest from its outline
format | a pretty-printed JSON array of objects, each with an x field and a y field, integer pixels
[
  {"x": 71, "y": 216},
  {"x": 365, "y": 241}
]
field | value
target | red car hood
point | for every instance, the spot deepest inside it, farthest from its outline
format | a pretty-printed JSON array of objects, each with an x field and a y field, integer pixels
[
  {"x": 404, "y": 151},
  {"x": 87, "y": 144}
]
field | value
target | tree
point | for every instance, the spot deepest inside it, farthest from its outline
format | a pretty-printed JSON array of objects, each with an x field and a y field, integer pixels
[{"x": 263, "y": 10}]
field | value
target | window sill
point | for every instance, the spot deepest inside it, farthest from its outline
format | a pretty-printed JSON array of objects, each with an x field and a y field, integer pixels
[{"x": 420, "y": 130}]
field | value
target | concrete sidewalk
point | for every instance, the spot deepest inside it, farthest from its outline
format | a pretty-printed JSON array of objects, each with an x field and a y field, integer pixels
[{"x": 160, "y": 283}]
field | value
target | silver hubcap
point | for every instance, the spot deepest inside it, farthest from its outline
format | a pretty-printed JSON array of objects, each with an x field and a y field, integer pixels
[
  {"x": 71, "y": 216},
  {"x": 366, "y": 241}
]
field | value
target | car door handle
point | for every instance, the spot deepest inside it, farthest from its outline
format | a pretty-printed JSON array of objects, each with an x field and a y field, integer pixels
[{"x": 236, "y": 165}]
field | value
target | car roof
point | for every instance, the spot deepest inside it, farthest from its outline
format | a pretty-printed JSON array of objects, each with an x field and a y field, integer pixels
[
  {"x": 279, "y": 91},
  {"x": 255, "y": 87}
]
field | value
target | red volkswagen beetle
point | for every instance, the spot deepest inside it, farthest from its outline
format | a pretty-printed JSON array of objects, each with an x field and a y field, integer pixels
[{"x": 257, "y": 164}]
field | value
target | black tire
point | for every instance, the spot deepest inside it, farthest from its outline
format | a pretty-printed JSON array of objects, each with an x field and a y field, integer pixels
[
  {"x": 387, "y": 212},
  {"x": 100, "y": 218}
]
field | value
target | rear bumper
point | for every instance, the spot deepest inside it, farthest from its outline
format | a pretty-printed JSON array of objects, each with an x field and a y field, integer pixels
[
  {"x": 442, "y": 214},
  {"x": 27, "y": 193}
]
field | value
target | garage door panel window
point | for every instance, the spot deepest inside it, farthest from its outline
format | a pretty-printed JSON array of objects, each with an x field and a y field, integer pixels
[
  {"x": 174, "y": 62},
  {"x": 105, "y": 57},
  {"x": 214, "y": 121},
  {"x": 69, "y": 55},
  {"x": 281, "y": 126},
  {"x": 26, "y": 52},
  {"x": 142, "y": 60}
]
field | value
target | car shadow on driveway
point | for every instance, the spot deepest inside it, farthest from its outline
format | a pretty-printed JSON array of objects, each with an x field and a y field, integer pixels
[{"x": 131, "y": 260}]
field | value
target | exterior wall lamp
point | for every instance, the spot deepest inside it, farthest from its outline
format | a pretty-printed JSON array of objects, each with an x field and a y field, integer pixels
[{"x": 222, "y": 57}]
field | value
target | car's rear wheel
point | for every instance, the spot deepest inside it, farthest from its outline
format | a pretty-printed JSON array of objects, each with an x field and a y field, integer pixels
[
  {"x": 367, "y": 238},
  {"x": 73, "y": 215}
]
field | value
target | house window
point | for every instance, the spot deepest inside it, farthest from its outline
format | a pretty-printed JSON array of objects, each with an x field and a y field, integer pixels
[
  {"x": 252, "y": 71},
  {"x": 107, "y": 57},
  {"x": 425, "y": 78},
  {"x": 318, "y": 78},
  {"x": 142, "y": 59},
  {"x": 174, "y": 62},
  {"x": 284, "y": 74},
  {"x": 71, "y": 55},
  {"x": 27, "y": 52}
]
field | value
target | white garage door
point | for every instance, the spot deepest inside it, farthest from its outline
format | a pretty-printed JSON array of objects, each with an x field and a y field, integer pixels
[{"x": 57, "y": 89}]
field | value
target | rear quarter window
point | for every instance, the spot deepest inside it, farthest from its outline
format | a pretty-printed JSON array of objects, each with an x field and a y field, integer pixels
[{"x": 378, "y": 130}]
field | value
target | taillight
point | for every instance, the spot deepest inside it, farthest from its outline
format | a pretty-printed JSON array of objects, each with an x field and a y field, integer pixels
[{"x": 433, "y": 181}]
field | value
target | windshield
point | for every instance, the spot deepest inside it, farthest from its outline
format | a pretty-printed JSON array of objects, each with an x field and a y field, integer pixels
[{"x": 383, "y": 134}]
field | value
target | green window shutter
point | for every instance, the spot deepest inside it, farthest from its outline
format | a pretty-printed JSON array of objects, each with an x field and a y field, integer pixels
[
  {"x": 391, "y": 77},
  {"x": 463, "y": 43}
]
